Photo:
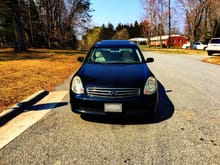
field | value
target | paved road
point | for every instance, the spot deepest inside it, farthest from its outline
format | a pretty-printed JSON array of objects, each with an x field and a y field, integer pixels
[{"x": 185, "y": 132}]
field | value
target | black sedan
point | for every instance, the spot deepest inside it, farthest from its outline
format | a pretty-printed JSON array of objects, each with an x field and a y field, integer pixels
[{"x": 114, "y": 79}]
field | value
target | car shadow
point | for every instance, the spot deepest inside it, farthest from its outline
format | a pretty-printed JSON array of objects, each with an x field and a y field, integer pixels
[{"x": 164, "y": 112}]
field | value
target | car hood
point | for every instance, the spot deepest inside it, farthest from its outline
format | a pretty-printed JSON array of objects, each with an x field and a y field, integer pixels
[{"x": 114, "y": 75}]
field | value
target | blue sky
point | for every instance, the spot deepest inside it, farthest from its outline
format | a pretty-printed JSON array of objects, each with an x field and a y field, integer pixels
[
  {"x": 116, "y": 11},
  {"x": 126, "y": 12}
]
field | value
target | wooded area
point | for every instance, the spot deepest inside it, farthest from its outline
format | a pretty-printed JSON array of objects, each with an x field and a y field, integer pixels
[
  {"x": 56, "y": 23},
  {"x": 42, "y": 23},
  {"x": 110, "y": 32}
]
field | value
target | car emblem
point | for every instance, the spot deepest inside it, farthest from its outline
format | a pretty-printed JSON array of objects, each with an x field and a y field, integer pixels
[{"x": 113, "y": 93}]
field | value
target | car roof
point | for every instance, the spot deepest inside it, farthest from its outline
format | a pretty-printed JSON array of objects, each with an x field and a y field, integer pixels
[{"x": 115, "y": 43}]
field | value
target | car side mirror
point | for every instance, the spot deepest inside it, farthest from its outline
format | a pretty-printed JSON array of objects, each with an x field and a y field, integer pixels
[
  {"x": 149, "y": 60},
  {"x": 80, "y": 59}
]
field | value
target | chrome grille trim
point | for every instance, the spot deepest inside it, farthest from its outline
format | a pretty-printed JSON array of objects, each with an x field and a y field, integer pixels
[{"x": 113, "y": 92}]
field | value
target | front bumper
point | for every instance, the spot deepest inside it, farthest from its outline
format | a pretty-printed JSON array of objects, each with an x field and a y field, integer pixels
[{"x": 84, "y": 104}]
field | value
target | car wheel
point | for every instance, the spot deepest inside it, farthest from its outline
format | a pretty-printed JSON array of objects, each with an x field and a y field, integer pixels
[{"x": 209, "y": 53}]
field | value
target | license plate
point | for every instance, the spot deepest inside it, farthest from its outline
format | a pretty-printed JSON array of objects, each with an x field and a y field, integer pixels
[{"x": 113, "y": 108}]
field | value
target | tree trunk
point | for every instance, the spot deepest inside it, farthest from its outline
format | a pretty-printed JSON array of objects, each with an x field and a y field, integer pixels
[
  {"x": 19, "y": 31},
  {"x": 18, "y": 25}
]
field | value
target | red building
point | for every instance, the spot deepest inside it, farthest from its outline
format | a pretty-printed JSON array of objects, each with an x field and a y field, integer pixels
[{"x": 175, "y": 40}]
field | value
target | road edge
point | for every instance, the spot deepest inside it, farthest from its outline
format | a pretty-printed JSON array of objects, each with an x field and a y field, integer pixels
[{"x": 18, "y": 108}]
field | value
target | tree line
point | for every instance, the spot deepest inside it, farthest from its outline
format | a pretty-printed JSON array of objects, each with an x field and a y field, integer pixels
[
  {"x": 201, "y": 17},
  {"x": 105, "y": 32},
  {"x": 121, "y": 31},
  {"x": 42, "y": 23}
]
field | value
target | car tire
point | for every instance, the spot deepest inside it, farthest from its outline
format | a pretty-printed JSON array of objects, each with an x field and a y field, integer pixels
[{"x": 209, "y": 53}]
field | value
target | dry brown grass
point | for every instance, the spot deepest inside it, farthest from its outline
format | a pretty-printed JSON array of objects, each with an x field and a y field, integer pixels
[
  {"x": 175, "y": 51},
  {"x": 23, "y": 74},
  {"x": 213, "y": 60}
]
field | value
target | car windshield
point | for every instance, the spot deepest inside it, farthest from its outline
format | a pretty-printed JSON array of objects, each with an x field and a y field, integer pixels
[
  {"x": 115, "y": 55},
  {"x": 215, "y": 41}
]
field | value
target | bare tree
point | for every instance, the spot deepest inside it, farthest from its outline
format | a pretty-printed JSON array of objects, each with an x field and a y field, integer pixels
[
  {"x": 202, "y": 18},
  {"x": 150, "y": 15},
  {"x": 156, "y": 15},
  {"x": 194, "y": 10},
  {"x": 212, "y": 19}
]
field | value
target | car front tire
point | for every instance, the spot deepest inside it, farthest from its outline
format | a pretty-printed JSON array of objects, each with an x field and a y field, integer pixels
[{"x": 209, "y": 53}]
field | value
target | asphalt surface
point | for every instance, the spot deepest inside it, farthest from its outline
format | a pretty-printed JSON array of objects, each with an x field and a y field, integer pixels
[{"x": 186, "y": 130}]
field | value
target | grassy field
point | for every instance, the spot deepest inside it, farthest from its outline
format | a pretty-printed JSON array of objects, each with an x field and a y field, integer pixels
[
  {"x": 23, "y": 74},
  {"x": 174, "y": 51}
]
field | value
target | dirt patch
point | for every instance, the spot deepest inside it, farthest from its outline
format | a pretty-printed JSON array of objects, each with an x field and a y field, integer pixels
[
  {"x": 213, "y": 60},
  {"x": 23, "y": 74}
]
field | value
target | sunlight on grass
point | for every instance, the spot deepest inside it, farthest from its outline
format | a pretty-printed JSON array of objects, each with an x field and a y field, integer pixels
[
  {"x": 23, "y": 74},
  {"x": 173, "y": 51},
  {"x": 213, "y": 60}
]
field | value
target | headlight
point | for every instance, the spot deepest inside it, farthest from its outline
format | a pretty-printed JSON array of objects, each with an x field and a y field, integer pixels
[
  {"x": 150, "y": 86},
  {"x": 77, "y": 86}
]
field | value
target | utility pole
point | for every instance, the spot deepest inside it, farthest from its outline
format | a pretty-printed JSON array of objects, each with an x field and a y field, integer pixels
[{"x": 169, "y": 24}]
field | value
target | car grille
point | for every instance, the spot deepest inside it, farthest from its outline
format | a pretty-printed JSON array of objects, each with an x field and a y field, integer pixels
[{"x": 113, "y": 92}]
